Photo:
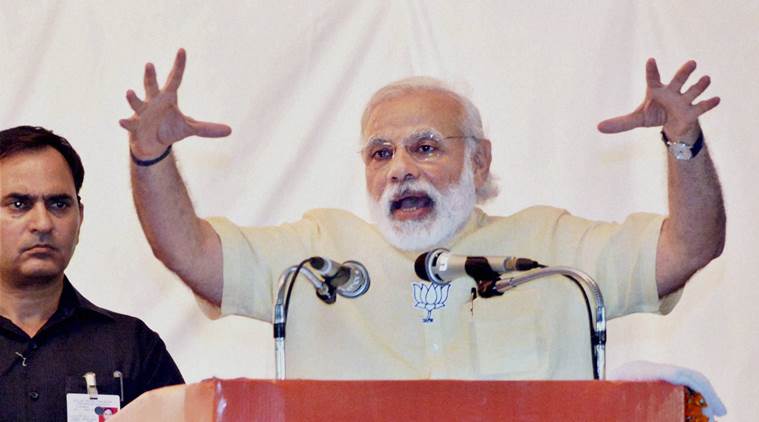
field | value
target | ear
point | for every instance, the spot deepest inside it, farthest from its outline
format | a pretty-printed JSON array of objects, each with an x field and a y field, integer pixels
[
  {"x": 81, "y": 217},
  {"x": 481, "y": 162}
]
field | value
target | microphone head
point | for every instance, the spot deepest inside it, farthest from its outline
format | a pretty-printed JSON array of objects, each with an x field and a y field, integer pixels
[
  {"x": 420, "y": 266},
  {"x": 324, "y": 266},
  {"x": 426, "y": 266},
  {"x": 317, "y": 262},
  {"x": 357, "y": 282}
]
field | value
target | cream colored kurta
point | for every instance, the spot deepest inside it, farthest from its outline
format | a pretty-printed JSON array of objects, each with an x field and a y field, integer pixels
[{"x": 536, "y": 331}]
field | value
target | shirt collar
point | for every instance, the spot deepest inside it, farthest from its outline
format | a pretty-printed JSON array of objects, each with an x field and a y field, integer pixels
[
  {"x": 476, "y": 220},
  {"x": 72, "y": 301}
]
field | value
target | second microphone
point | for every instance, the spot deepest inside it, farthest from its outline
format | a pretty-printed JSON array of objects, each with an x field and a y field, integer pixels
[{"x": 441, "y": 267}]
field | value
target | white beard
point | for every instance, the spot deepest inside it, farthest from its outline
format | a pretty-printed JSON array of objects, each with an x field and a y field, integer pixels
[{"x": 451, "y": 210}]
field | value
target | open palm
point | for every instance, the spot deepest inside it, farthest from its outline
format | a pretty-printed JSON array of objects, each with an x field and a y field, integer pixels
[
  {"x": 157, "y": 121},
  {"x": 665, "y": 105}
]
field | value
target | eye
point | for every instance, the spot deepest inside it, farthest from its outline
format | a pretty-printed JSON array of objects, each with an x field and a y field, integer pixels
[
  {"x": 425, "y": 148},
  {"x": 381, "y": 154},
  {"x": 18, "y": 204},
  {"x": 59, "y": 205}
]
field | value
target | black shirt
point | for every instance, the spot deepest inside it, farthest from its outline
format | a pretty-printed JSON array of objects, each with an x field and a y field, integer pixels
[{"x": 37, "y": 373}]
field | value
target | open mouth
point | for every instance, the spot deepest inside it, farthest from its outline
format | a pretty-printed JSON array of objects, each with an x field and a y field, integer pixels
[{"x": 411, "y": 205}]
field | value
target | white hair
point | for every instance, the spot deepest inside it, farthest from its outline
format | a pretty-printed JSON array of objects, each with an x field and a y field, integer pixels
[
  {"x": 453, "y": 206},
  {"x": 471, "y": 124}
]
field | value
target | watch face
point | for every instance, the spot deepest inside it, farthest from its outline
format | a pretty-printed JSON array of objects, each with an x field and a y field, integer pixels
[{"x": 681, "y": 151}]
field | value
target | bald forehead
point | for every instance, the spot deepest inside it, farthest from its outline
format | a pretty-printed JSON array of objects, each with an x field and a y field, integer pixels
[{"x": 419, "y": 108}]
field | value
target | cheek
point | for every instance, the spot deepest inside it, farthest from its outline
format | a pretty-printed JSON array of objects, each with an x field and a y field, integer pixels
[
  {"x": 374, "y": 184},
  {"x": 443, "y": 177},
  {"x": 375, "y": 190},
  {"x": 9, "y": 232},
  {"x": 71, "y": 236}
]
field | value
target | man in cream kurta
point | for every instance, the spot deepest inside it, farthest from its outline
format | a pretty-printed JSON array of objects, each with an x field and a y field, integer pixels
[
  {"x": 427, "y": 164},
  {"x": 536, "y": 331}
]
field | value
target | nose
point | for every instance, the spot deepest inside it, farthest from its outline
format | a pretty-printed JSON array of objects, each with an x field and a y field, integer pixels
[
  {"x": 40, "y": 219},
  {"x": 403, "y": 167}
]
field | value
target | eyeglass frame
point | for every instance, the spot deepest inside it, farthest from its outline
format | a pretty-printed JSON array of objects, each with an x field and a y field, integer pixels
[{"x": 409, "y": 142}]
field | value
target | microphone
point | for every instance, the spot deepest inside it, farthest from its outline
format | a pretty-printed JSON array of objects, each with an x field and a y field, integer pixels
[
  {"x": 349, "y": 279},
  {"x": 441, "y": 267}
]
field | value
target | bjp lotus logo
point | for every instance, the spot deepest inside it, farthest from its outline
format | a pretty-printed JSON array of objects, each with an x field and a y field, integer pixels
[{"x": 430, "y": 296}]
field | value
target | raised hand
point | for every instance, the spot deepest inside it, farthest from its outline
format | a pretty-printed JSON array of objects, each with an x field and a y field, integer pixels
[
  {"x": 157, "y": 121},
  {"x": 667, "y": 106}
]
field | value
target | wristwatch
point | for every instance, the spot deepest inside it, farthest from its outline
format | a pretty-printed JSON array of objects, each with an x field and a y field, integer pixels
[{"x": 682, "y": 151}]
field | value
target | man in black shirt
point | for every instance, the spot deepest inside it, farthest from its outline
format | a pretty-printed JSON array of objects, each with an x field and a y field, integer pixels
[{"x": 51, "y": 336}]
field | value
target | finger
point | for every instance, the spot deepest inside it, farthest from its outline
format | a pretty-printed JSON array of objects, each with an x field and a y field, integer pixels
[
  {"x": 151, "y": 85},
  {"x": 175, "y": 77},
  {"x": 682, "y": 75},
  {"x": 209, "y": 130},
  {"x": 134, "y": 101},
  {"x": 129, "y": 124},
  {"x": 653, "y": 80},
  {"x": 706, "y": 105},
  {"x": 621, "y": 123},
  {"x": 697, "y": 89}
]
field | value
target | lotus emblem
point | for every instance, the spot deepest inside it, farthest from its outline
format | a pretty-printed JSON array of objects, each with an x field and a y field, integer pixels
[{"x": 430, "y": 297}]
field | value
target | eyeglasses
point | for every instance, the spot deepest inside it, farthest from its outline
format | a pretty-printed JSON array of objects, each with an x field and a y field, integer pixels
[{"x": 423, "y": 146}]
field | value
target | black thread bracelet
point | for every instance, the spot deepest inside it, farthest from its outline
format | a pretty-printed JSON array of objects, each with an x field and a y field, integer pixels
[{"x": 150, "y": 162}]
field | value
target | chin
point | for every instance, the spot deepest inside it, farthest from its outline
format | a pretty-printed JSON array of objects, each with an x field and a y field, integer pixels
[
  {"x": 428, "y": 232},
  {"x": 40, "y": 273}
]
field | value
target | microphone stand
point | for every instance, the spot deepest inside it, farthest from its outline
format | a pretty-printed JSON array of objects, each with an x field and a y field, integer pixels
[
  {"x": 598, "y": 336},
  {"x": 328, "y": 285},
  {"x": 280, "y": 318}
]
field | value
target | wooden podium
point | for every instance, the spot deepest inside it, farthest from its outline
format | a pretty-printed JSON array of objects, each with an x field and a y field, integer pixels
[{"x": 302, "y": 400}]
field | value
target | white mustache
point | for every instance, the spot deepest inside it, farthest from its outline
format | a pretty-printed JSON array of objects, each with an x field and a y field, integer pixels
[
  {"x": 395, "y": 192},
  {"x": 451, "y": 210}
]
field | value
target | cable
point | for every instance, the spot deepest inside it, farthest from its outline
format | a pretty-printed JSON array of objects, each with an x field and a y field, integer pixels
[{"x": 291, "y": 282}]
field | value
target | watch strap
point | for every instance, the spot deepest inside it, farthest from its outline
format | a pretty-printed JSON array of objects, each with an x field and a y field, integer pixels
[{"x": 694, "y": 149}]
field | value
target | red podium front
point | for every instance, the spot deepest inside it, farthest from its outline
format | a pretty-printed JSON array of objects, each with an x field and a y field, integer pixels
[{"x": 301, "y": 400}]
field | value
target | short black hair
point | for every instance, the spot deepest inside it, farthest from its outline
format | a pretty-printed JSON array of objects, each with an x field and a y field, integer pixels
[{"x": 30, "y": 138}]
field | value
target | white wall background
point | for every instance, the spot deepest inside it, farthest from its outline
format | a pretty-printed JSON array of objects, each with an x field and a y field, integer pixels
[{"x": 291, "y": 78}]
